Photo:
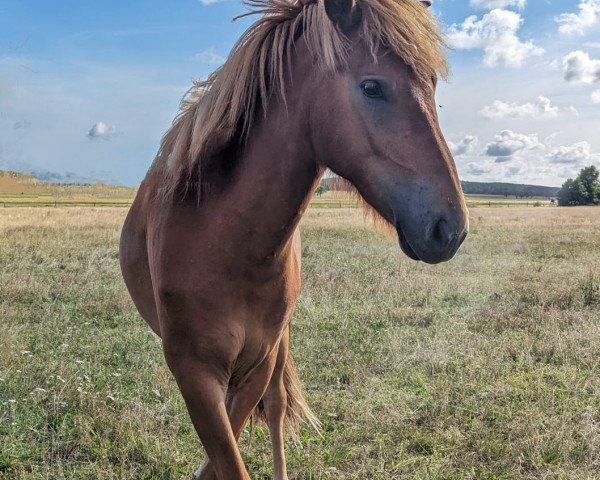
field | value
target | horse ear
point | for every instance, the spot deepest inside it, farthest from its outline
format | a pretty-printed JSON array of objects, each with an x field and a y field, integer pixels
[
  {"x": 427, "y": 3},
  {"x": 345, "y": 14}
]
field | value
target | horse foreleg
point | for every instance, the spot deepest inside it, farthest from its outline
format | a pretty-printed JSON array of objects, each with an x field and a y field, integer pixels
[
  {"x": 275, "y": 402},
  {"x": 242, "y": 402},
  {"x": 204, "y": 388}
]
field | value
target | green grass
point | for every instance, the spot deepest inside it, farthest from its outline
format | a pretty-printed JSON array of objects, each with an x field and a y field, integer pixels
[{"x": 482, "y": 368}]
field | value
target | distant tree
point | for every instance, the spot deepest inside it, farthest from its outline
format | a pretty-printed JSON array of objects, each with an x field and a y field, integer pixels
[
  {"x": 571, "y": 193},
  {"x": 321, "y": 189},
  {"x": 582, "y": 190},
  {"x": 589, "y": 179}
]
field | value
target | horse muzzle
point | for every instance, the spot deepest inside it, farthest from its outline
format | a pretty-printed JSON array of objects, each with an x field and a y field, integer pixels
[{"x": 439, "y": 242}]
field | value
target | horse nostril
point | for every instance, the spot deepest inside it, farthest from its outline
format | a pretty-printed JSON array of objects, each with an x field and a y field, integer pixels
[{"x": 441, "y": 233}]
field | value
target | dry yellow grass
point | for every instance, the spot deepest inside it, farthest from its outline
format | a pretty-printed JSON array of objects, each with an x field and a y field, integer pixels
[{"x": 482, "y": 368}]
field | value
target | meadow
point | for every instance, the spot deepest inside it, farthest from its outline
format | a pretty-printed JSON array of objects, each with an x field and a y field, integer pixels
[{"x": 482, "y": 368}]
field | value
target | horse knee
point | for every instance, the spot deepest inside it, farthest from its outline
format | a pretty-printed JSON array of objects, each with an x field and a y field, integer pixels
[{"x": 194, "y": 347}]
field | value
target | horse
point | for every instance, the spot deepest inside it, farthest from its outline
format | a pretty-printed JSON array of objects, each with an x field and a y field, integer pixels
[{"x": 210, "y": 249}]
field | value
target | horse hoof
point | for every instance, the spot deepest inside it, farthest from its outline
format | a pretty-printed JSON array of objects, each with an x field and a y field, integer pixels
[{"x": 196, "y": 474}]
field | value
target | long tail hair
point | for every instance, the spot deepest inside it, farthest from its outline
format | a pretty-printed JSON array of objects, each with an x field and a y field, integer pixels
[{"x": 297, "y": 410}]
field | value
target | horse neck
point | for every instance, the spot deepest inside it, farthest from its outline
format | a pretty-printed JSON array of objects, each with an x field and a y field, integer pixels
[{"x": 275, "y": 180}]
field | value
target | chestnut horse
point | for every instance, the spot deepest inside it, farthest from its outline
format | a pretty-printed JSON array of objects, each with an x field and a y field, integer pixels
[{"x": 210, "y": 250}]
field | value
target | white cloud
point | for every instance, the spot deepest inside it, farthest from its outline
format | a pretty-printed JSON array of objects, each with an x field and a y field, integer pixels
[
  {"x": 577, "y": 154},
  {"x": 578, "y": 67},
  {"x": 514, "y": 170},
  {"x": 477, "y": 169},
  {"x": 578, "y": 23},
  {"x": 496, "y": 35},
  {"x": 490, "y": 4},
  {"x": 211, "y": 57},
  {"x": 543, "y": 109},
  {"x": 103, "y": 131},
  {"x": 466, "y": 146},
  {"x": 526, "y": 159},
  {"x": 507, "y": 143},
  {"x": 595, "y": 96}
]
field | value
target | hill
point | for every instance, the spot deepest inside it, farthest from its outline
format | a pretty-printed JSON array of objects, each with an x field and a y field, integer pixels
[
  {"x": 471, "y": 188},
  {"x": 24, "y": 188},
  {"x": 13, "y": 183},
  {"x": 509, "y": 190}
]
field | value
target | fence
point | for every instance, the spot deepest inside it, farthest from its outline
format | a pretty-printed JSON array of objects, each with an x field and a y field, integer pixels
[
  {"x": 65, "y": 203},
  {"x": 315, "y": 203}
]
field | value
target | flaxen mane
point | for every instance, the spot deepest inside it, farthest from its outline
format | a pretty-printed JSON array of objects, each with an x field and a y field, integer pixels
[{"x": 222, "y": 108}]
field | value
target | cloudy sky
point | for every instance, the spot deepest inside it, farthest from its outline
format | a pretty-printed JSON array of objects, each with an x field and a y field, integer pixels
[{"x": 88, "y": 88}]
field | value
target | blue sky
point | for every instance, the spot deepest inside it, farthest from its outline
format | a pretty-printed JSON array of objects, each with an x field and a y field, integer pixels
[{"x": 88, "y": 88}]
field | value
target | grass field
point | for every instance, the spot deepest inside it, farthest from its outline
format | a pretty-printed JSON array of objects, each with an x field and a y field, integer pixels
[{"x": 483, "y": 368}]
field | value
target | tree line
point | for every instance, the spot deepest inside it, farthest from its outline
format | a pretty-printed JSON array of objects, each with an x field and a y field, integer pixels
[{"x": 508, "y": 189}]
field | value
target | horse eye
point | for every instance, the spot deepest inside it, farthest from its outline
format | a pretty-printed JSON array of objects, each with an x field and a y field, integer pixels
[{"x": 371, "y": 89}]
